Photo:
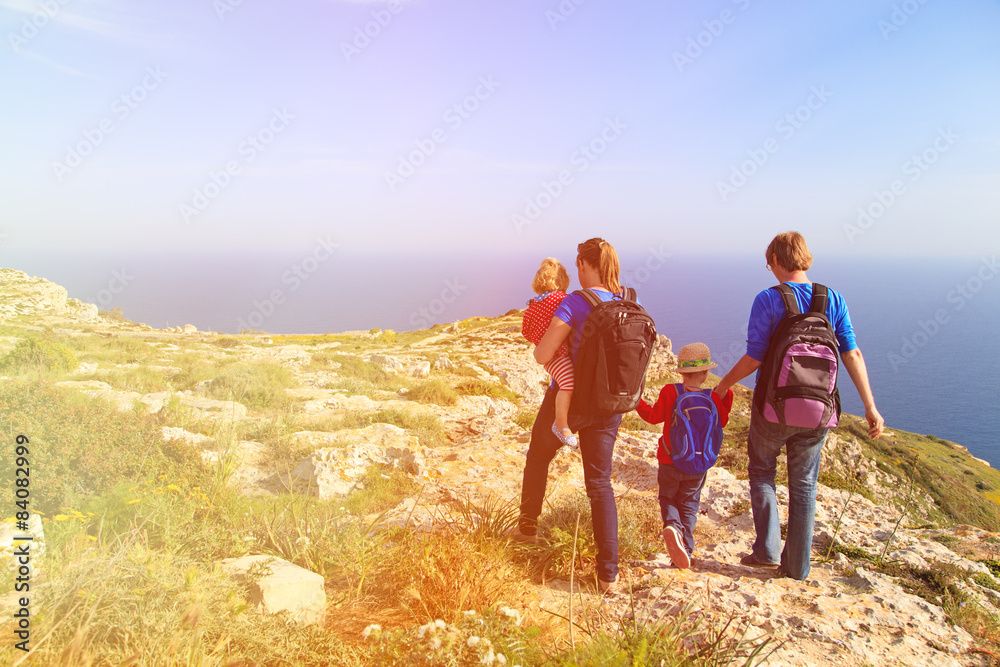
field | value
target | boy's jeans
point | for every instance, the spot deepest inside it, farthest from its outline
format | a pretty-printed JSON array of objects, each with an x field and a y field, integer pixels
[
  {"x": 597, "y": 444},
  {"x": 803, "y": 447},
  {"x": 680, "y": 499}
]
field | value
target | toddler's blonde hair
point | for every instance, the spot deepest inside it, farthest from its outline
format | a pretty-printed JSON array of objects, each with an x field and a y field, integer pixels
[{"x": 551, "y": 276}]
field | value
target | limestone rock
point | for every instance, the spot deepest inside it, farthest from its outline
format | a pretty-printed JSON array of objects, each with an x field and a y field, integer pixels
[
  {"x": 214, "y": 409},
  {"x": 421, "y": 369},
  {"x": 331, "y": 472},
  {"x": 443, "y": 363},
  {"x": 279, "y": 586},
  {"x": 391, "y": 364},
  {"x": 194, "y": 439}
]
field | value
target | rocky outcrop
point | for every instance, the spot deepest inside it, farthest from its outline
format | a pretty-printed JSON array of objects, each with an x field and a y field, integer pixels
[{"x": 24, "y": 295}]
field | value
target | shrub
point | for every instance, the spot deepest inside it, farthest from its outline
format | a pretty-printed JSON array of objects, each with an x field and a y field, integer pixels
[
  {"x": 38, "y": 355},
  {"x": 81, "y": 446}
]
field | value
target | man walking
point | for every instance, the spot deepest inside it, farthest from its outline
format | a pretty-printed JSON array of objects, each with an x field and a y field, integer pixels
[{"x": 788, "y": 258}]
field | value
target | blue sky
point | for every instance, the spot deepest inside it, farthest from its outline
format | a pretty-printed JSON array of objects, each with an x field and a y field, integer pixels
[{"x": 505, "y": 126}]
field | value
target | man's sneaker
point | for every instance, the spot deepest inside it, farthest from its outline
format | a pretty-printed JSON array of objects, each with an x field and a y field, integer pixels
[
  {"x": 675, "y": 547},
  {"x": 523, "y": 538},
  {"x": 567, "y": 438},
  {"x": 750, "y": 561}
]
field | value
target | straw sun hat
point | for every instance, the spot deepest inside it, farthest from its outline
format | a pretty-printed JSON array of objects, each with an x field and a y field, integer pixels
[{"x": 694, "y": 358}]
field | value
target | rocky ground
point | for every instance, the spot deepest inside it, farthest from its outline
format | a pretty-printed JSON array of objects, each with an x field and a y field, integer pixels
[{"x": 844, "y": 614}]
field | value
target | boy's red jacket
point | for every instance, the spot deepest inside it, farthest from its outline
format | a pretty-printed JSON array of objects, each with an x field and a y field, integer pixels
[{"x": 663, "y": 409}]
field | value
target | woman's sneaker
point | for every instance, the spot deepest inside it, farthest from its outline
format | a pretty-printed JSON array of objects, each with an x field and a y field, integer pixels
[
  {"x": 566, "y": 437},
  {"x": 675, "y": 547},
  {"x": 523, "y": 538},
  {"x": 751, "y": 561}
]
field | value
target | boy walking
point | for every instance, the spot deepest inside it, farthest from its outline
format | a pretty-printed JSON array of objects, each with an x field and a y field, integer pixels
[{"x": 680, "y": 491}]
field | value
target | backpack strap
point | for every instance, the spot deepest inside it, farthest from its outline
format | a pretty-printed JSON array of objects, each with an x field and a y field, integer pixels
[
  {"x": 591, "y": 297},
  {"x": 628, "y": 294},
  {"x": 788, "y": 296},
  {"x": 820, "y": 299}
]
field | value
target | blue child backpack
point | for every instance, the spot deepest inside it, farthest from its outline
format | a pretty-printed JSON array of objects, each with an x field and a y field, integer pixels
[{"x": 695, "y": 431}]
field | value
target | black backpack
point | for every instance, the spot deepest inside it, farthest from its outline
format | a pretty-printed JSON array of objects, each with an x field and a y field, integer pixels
[
  {"x": 615, "y": 349},
  {"x": 797, "y": 382}
]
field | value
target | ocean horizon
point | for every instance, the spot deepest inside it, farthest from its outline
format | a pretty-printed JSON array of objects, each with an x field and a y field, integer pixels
[{"x": 927, "y": 328}]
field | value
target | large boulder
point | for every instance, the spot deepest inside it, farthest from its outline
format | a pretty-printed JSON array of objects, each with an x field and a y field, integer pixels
[{"x": 279, "y": 586}]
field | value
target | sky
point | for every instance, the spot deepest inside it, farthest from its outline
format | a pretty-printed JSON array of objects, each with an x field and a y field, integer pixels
[{"x": 418, "y": 126}]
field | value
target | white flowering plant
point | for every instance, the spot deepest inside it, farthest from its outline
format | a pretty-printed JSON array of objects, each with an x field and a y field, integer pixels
[{"x": 493, "y": 637}]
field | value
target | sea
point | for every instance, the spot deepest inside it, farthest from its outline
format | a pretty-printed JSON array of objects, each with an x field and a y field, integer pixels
[{"x": 929, "y": 328}]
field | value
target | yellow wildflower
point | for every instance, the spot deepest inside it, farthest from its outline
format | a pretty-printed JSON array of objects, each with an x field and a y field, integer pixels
[{"x": 60, "y": 517}]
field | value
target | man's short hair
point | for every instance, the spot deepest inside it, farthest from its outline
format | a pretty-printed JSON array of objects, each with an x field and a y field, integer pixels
[{"x": 790, "y": 251}]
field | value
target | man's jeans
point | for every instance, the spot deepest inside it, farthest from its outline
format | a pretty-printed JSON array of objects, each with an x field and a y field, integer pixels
[
  {"x": 597, "y": 444},
  {"x": 680, "y": 499},
  {"x": 803, "y": 447}
]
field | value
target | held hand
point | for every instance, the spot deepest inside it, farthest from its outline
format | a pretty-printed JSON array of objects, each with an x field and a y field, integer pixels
[{"x": 875, "y": 423}]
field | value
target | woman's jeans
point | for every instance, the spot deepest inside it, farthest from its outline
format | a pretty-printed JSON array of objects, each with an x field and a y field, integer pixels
[
  {"x": 597, "y": 444},
  {"x": 803, "y": 447}
]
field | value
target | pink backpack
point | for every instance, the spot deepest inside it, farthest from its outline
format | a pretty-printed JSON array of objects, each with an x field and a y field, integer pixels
[{"x": 797, "y": 383}]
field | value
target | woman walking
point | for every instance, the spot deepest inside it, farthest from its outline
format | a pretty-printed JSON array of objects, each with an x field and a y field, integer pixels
[{"x": 597, "y": 269}]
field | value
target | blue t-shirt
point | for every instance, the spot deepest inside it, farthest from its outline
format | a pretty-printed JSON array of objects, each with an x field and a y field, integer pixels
[
  {"x": 769, "y": 309},
  {"x": 574, "y": 311}
]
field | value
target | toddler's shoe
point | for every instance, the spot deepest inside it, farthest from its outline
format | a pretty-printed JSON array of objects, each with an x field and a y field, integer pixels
[
  {"x": 675, "y": 547},
  {"x": 568, "y": 440}
]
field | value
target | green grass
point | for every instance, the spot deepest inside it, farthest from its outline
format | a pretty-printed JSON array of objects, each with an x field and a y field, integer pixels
[
  {"x": 365, "y": 374},
  {"x": 259, "y": 386},
  {"x": 478, "y": 387},
  {"x": 435, "y": 391},
  {"x": 139, "y": 379}
]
